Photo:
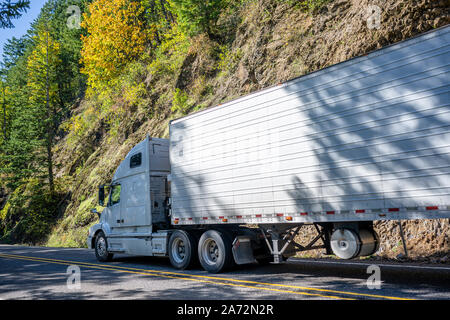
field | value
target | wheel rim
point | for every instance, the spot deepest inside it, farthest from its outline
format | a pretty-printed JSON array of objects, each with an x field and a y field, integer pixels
[
  {"x": 101, "y": 247},
  {"x": 342, "y": 244},
  {"x": 210, "y": 252},
  {"x": 178, "y": 250},
  {"x": 345, "y": 244}
]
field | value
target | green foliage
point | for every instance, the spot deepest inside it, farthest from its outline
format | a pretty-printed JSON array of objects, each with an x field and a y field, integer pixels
[
  {"x": 29, "y": 74},
  {"x": 180, "y": 101},
  {"x": 159, "y": 16},
  {"x": 310, "y": 6},
  {"x": 199, "y": 16},
  {"x": 29, "y": 214},
  {"x": 43, "y": 99},
  {"x": 71, "y": 82},
  {"x": 201, "y": 88},
  {"x": 18, "y": 158},
  {"x": 13, "y": 49},
  {"x": 12, "y": 10},
  {"x": 228, "y": 60},
  {"x": 73, "y": 238},
  {"x": 169, "y": 56},
  {"x": 313, "y": 5},
  {"x": 41, "y": 75},
  {"x": 4, "y": 113},
  {"x": 132, "y": 84},
  {"x": 81, "y": 123}
]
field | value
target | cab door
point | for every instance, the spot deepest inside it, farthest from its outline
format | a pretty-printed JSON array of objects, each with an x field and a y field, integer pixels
[{"x": 114, "y": 207}]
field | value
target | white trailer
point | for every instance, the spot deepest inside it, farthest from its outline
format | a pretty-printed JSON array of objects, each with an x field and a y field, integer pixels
[{"x": 367, "y": 139}]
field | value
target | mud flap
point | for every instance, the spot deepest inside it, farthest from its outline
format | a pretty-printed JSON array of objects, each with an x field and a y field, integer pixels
[{"x": 242, "y": 250}]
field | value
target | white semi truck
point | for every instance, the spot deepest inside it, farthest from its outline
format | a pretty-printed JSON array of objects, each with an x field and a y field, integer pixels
[{"x": 364, "y": 140}]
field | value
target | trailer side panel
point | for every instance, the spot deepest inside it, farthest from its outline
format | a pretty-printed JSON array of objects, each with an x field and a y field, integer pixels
[{"x": 365, "y": 139}]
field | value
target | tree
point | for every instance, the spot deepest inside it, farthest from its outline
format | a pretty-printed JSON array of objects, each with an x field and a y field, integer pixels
[
  {"x": 43, "y": 94},
  {"x": 4, "y": 112},
  {"x": 71, "y": 83},
  {"x": 159, "y": 17},
  {"x": 13, "y": 49},
  {"x": 41, "y": 74},
  {"x": 16, "y": 152},
  {"x": 116, "y": 35},
  {"x": 12, "y": 10},
  {"x": 199, "y": 16},
  {"x": 40, "y": 77}
]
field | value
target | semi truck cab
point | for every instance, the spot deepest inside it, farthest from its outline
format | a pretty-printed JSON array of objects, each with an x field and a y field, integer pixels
[
  {"x": 136, "y": 219},
  {"x": 136, "y": 215}
]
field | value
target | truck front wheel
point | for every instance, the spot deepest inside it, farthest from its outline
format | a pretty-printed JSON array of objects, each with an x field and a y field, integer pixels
[
  {"x": 101, "y": 248},
  {"x": 182, "y": 250},
  {"x": 215, "y": 251}
]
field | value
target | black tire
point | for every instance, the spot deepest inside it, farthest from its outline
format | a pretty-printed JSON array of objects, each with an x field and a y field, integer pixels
[
  {"x": 101, "y": 248},
  {"x": 215, "y": 252},
  {"x": 183, "y": 250}
]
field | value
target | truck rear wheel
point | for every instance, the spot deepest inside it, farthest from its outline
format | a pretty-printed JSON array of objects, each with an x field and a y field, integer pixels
[
  {"x": 215, "y": 251},
  {"x": 101, "y": 248},
  {"x": 182, "y": 250}
]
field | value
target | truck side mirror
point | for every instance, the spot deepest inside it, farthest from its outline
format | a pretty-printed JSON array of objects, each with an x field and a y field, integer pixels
[
  {"x": 96, "y": 212},
  {"x": 101, "y": 195}
]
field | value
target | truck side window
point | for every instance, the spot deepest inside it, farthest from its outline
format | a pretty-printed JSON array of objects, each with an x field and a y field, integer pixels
[
  {"x": 136, "y": 160},
  {"x": 115, "y": 194}
]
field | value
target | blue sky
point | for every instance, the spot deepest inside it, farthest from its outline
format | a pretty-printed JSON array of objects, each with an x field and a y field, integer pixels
[{"x": 22, "y": 24}]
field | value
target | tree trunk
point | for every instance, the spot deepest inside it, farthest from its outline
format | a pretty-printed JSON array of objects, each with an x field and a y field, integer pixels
[
  {"x": 50, "y": 126},
  {"x": 4, "y": 114}
]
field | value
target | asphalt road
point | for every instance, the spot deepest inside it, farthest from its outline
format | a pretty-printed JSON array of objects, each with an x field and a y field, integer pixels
[{"x": 42, "y": 273}]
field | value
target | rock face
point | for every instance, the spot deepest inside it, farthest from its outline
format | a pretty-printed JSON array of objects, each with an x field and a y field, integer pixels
[
  {"x": 279, "y": 42},
  {"x": 425, "y": 239}
]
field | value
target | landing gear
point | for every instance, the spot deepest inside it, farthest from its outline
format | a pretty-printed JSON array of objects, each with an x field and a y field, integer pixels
[{"x": 280, "y": 240}]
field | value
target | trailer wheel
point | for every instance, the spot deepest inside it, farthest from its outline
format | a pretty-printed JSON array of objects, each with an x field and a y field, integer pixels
[
  {"x": 369, "y": 242},
  {"x": 101, "y": 248},
  {"x": 215, "y": 251},
  {"x": 182, "y": 250},
  {"x": 345, "y": 243}
]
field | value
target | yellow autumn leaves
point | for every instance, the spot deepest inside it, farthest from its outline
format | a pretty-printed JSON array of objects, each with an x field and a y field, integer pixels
[
  {"x": 116, "y": 35},
  {"x": 41, "y": 68}
]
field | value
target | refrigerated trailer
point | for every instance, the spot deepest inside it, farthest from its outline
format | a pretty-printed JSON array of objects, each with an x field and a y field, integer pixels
[{"x": 360, "y": 141}]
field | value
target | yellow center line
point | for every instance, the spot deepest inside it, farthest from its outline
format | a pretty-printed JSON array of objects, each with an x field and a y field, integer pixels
[
  {"x": 226, "y": 279},
  {"x": 154, "y": 274}
]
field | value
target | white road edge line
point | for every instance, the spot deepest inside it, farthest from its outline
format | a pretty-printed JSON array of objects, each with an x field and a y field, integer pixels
[{"x": 369, "y": 264}]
